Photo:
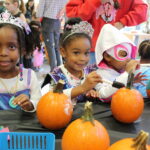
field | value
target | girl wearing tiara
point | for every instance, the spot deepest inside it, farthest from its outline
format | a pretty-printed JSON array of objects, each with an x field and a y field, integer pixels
[
  {"x": 75, "y": 47},
  {"x": 19, "y": 87},
  {"x": 16, "y": 8},
  {"x": 115, "y": 55}
]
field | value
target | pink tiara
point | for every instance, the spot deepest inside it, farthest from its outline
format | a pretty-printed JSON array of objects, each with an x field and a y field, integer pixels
[
  {"x": 82, "y": 27},
  {"x": 6, "y": 17}
]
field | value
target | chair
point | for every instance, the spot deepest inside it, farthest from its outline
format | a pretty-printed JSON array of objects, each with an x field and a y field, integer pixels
[{"x": 27, "y": 141}]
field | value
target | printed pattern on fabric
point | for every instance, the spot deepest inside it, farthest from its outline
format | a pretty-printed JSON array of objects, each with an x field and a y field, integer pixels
[{"x": 70, "y": 81}]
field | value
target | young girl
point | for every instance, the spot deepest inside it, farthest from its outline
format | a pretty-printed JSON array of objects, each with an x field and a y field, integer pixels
[
  {"x": 144, "y": 53},
  {"x": 16, "y": 8},
  {"x": 38, "y": 57},
  {"x": 114, "y": 54},
  {"x": 19, "y": 87},
  {"x": 75, "y": 48}
]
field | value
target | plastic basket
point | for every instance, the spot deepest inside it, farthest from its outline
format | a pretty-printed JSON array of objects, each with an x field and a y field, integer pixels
[{"x": 27, "y": 141}]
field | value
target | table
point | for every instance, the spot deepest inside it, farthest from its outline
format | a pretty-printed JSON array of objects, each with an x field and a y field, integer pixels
[
  {"x": 19, "y": 121},
  {"x": 137, "y": 37}
]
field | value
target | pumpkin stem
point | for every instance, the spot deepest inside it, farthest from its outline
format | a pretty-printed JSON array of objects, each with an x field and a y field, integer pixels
[
  {"x": 130, "y": 80},
  {"x": 88, "y": 112},
  {"x": 141, "y": 141},
  {"x": 58, "y": 88}
]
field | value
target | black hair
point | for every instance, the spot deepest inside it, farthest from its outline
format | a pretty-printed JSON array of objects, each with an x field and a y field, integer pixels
[
  {"x": 36, "y": 32},
  {"x": 116, "y": 4},
  {"x": 27, "y": 6},
  {"x": 24, "y": 39},
  {"x": 144, "y": 49},
  {"x": 66, "y": 39}
]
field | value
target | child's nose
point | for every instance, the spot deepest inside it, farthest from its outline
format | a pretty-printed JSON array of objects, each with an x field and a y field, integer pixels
[{"x": 3, "y": 51}]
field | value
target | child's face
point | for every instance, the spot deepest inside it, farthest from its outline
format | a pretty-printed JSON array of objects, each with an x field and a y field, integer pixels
[
  {"x": 9, "y": 49},
  {"x": 10, "y": 6},
  {"x": 117, "y": 65},
  {"x": 76, "y": 54}
]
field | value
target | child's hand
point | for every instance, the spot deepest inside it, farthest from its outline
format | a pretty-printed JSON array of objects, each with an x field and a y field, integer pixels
[
  {"x": 91, "y": 80},
  {"x": 139, "y": 78},
  {"x": 92, "y": 93},
  {"x": 24, "y": 102},
  {"x": 131, "y": 66}
]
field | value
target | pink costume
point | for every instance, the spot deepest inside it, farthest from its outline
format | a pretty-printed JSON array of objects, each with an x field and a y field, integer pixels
[{"x": 38, "y": 57}]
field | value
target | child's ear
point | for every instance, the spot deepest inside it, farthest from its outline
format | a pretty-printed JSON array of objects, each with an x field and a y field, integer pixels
[
  {"x": 106, "y": 57},
  {"x": 62, "y": 52}
]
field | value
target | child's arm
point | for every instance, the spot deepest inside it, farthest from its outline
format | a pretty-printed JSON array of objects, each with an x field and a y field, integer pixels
[
  {"x": 26, "y": 103},
  {"x": 82, "y": 9},
  {"x": 90, "y": 82},
  {"x": 106, "y": 90}
]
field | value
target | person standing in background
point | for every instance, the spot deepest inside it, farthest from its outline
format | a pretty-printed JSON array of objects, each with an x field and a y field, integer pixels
[
  {"x": 51, "y": 11},
  {"x": 119, "y": 13}
]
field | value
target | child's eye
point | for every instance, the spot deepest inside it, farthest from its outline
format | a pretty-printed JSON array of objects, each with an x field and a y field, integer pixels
[
  {"x": 12, "y": 47},
  {"x": 76, "y": 53},
  {"x": 87, "y": 53},
  {"x": 122, "y": 53}
]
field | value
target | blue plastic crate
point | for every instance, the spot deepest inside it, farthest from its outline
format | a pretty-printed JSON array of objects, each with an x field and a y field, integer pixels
[{"x": 27, "y": 141}]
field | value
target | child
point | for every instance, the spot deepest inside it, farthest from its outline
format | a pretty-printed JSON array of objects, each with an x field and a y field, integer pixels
[
  {"x": 144, "y": 53},
  {"x": 16, "y": 8},
  {"x": 38, "y": 57},
  {"x": 114, "y": 54},
  {"x": 75, "y": 48},
  {"x": 19, "y": 92}
]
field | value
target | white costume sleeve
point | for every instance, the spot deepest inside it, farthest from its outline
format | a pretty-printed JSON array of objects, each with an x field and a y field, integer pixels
[
  {"x": 35, "y": 92},
  {"x": 106, "y": 90}
]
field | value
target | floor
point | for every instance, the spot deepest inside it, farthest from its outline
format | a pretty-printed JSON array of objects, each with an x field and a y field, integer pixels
[{"x": 45, "y": 68}]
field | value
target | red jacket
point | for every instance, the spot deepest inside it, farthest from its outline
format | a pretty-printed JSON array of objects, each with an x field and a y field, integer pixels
[{"x": 131, "y": 13}]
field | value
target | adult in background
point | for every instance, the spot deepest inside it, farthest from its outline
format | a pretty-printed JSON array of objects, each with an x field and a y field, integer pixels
[
  {"x": 120, "y": 13},
  {"x": 50, "y": 11}
]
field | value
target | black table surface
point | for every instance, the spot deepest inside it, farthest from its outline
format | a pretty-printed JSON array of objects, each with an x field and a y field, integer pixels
[{"x": 19, "y": 121}]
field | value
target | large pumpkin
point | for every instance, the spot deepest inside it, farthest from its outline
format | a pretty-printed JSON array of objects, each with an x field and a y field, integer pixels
[
  {"x": 54, "y": 110},
  {"x": 148, "y": 89},
  {"x": 85, "y": 134},
  {"x": 127, "y": 104},
  {"x": 138, "y": 143}
]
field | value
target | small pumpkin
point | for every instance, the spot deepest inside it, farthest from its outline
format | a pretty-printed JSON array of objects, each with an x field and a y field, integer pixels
[
  {"x": 85, "y": 133},
  {"x": 127, "y": 104},
  {"x": 138, "y": 143},
  {"x": 54, "y": 110},
  {"x": 148, "y": 89}
]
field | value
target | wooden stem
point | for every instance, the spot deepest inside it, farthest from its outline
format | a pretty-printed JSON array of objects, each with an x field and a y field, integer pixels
[
  {"x": 130, "y": 80},
  {"x": 140, "y": 141},
  {"x": 88, "y": 112},
  {"x": 59, "y": 87}
]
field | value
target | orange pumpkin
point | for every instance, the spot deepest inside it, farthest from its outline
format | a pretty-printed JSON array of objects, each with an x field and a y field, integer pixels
[
  {"x": 138, "y": 143},
  {"x": 85, "y": 133},
  {"x": 127, "y": 105},
  {"x": 54, "y": 110},
  {"x": 148, "y": 89}
]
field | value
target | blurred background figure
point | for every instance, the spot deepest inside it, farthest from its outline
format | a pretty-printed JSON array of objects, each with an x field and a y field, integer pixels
[
  {"x": 29, "y": 10},
  {"x": 16, "y": 8},
  {"x": 51, "y": 13}
]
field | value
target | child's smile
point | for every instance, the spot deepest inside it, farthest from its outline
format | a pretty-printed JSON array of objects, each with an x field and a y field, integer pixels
[
  {"x": 76, "y": 55},
  {"x": 9, "y": 50}
]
